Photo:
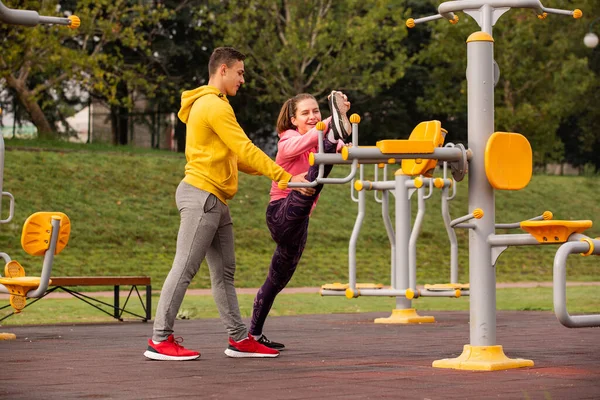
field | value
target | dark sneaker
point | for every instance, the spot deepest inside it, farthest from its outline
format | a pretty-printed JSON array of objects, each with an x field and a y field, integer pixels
[
  {"x": 249, "y": 348},
  {"x": 170, "y": 350},
  {"x": 340, "y": 124},
  {"x": 272, "y": 345}
]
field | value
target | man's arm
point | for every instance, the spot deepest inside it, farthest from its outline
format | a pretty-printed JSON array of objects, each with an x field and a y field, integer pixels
[{"x": 225, "y": 125}]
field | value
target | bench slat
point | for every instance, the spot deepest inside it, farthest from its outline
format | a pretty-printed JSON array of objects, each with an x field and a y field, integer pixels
[{"x": 99, "y": 280}]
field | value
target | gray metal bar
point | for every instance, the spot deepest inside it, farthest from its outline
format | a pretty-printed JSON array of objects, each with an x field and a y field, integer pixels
[
  {"x": 48, "y": 259},
  {"x": 11, "y": 207},
  {"x": 387, "y": 222},
  {"x": 331, "y": 158},
  {"x": 327, "y": 292},
  {"x": 414, "y": 235},
  {"x": 381, "y": 185},
  {"x": 462, "y": 219},
  {"x": 28, "y": 18},
  {"x": 451, "y": 235},
  {"x": 403, "y": 223},
  {"x": 373, "y": 153},
  {"x": 383, "y": 292},
  {"x": 461, "y": 5},
  {"x": 517, "y": 225},
  {"x": 519, "y": 239},
  {"x": 560, "y": 285},
  {"x": 354, "y": 237},
  {"x": 482, "y": 278}
]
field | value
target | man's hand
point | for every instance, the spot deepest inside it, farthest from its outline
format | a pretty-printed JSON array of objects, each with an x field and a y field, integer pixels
[{"x": 301, "y": 178}]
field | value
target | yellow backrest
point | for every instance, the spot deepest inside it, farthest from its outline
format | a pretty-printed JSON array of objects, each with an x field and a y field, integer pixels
[
  {"x": 508, "y": 161},
  {"x": 37, "y": 229},
  {"x": 430, "y": 131}
]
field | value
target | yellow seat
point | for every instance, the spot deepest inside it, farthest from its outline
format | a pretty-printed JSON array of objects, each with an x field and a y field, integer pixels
[
  {"x": 508, "y": 161},
  {"x": 36, "y": 240},
  {"x": 554, "y": 231},
  {"x": 431, "y": 132},
  {"x": 402, "y": 146}
]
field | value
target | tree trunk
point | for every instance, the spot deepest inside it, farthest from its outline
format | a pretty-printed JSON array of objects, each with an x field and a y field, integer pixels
[
  {"x": 120, "y": 127},
  {"x": 33, "y": 108},
  {"x": 180, "y": 133},
  {"x": 120, "y": 117}
]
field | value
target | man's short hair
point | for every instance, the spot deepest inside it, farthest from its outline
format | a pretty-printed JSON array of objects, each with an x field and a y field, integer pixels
[{"x": 223, "y": 55}]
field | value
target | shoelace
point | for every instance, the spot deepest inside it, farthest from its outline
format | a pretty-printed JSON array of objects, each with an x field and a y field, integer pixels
[
  {"x": 264, "y": 339},
  {"x": 177, "y": 341}
]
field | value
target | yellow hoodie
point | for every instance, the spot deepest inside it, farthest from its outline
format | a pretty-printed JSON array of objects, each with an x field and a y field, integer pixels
[{"x": 216, "y": 146}]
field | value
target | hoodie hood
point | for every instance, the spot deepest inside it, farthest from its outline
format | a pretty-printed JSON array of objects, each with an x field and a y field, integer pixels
[{"x": 190, "y": 96}]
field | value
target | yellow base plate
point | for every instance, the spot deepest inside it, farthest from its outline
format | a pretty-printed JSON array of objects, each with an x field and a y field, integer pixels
[
  {"x": 7, "y": 336},
  {"x": 405, "y": 316},
  {"x": 482, "y": 358}
]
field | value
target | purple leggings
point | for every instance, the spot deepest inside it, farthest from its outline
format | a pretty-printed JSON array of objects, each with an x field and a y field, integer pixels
[{"x": 287, "y": 220}]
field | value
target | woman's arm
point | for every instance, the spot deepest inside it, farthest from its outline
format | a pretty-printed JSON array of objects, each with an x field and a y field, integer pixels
[{"x": 293, "y": 144}]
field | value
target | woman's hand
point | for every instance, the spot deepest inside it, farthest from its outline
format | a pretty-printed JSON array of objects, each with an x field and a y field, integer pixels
[
  {"x": 346, "y": 102},
  {"x": 301, "y": 178}
]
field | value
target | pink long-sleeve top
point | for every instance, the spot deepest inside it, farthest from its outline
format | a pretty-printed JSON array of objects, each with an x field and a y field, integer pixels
[{"x": 292, "y": 154}]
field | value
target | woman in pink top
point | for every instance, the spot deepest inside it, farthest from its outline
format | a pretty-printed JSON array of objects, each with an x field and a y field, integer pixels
[{"x": 289, "y": 211}]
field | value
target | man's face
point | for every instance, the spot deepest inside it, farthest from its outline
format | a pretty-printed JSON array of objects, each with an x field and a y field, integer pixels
[{"x": 233, "y": 78}]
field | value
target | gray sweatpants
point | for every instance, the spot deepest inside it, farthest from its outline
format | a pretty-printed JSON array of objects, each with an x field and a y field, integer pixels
[{"x": 205, "y": 231}]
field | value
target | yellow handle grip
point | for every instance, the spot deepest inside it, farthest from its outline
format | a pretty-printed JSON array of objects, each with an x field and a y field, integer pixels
[{"x": 283, "y": 185}]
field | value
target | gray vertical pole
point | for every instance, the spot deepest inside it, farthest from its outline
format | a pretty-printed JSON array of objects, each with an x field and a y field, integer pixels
[
  {"x": 355, "y": 234},
  {"x": 403, "y": 223},
  {"x": 412, "y": 252},
  {"x": 482, "y": 274}
]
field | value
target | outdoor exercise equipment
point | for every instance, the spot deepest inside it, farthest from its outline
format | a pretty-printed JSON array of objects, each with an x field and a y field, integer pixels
[
  {"x": 44, "y": 233},
  {"x": 502, "y": 161},
  {"x": 427, "y": 137},
  {"x": 496, "y": 161}
]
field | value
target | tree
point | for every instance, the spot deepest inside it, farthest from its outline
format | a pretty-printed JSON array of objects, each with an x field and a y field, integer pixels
[
  {"x": 180, "y": 51},
  {"x": 35, "y": 61},
  {"x": 317, "y": 45}
]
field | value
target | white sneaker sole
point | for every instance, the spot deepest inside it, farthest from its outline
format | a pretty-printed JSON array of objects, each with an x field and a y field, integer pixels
[
  {"x": 163, "y": 357},
  {"x": 239, "y": 354},
  {"x": 340, "y": 119}
]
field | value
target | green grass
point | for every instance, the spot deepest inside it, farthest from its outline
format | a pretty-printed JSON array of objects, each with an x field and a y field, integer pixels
[
  {"x": 580, "y": 299},
  {"x": 125, "y": 221}
]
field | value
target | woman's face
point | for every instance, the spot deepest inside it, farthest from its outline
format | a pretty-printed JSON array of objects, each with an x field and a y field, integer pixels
[{"x": 307, "y": 115}]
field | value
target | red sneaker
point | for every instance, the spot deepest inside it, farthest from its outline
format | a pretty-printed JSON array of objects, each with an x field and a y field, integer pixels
[
  {"x": 249, "y": 348},
  {"x": 170, "y": 350}
]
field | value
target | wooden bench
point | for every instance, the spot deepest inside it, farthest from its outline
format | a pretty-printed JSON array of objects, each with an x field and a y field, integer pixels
[{"x": 67, "y": 283}]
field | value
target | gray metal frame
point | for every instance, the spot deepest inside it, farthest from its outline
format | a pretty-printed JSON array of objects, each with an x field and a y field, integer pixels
[
  {"x": 484, "y": 245},
  {"x": 28, "y": 17}
]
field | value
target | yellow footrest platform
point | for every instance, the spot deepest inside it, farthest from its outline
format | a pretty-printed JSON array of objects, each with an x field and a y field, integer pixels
[
  {"x": 442, "y": 287},
  {"x": 343, "y": 286},
  {"x": 554, "y": 231}
]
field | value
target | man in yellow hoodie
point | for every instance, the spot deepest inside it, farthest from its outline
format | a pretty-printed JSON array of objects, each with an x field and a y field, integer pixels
[{"x": 216, "y": 148}]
